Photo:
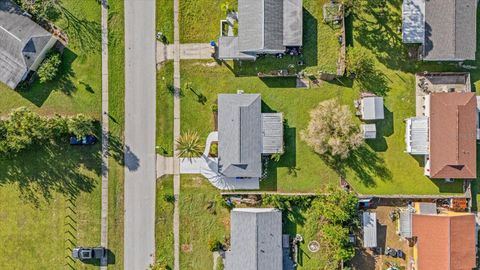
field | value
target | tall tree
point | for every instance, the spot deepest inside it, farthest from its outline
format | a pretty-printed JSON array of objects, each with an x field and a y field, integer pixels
[
  {"x": 81, "y": 125},
  {"x": 331, "y": 130}
]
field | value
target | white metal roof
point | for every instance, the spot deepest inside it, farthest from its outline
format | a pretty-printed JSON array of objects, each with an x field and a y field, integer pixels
[
  {"x": 272, "y": 133},
  {"x": 372, "y": 108},
  {"x": 369, "y": 223},
  {"x": 369, "y": 131},
  {"x": 416, "y": 135},
  {"x": 413, "y": 21}
]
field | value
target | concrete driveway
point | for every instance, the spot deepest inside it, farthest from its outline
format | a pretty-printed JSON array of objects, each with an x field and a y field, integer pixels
[{"x": 139, "y": 230}]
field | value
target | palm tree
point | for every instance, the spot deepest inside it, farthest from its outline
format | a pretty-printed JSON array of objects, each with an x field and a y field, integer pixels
[{"x": 188, "y": 145}]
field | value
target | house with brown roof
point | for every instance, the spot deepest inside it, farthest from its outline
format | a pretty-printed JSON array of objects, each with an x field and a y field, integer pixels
[
  {"x": 445, "y": 133},
  {"x": 443, "y": 241}
]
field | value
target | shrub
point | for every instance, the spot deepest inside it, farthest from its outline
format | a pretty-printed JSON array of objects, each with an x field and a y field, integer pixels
[
  {"x": 214, "y": 245},
  {"x": 220, "y": 265},
  {"x": 189, "y": 146},
  {"x": 276, "y": 157},
  {"x": 214, "y": 150},
  {"x": 215, "y": 108},
  {"x": 48, "y": 70},
  {"x": 169, "y": 198}
]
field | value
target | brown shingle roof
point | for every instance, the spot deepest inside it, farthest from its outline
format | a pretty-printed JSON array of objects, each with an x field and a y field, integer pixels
[
  {"x": 445, "y": 242},
  {"x": 453, "y": 151}
]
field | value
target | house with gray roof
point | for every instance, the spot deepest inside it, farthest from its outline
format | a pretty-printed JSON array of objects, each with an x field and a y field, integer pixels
[
  {"x": 256, "y": 240},
  {"x": 23, "y": 44},
  {"x": 264, "y": 27},
  {"x": 245, "y": 134},
  {"x": 445, "y": 28}
]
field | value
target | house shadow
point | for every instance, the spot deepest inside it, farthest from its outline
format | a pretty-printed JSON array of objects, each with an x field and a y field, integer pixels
[
  {"x": 445, "y": 187},
  {"x": 288, "y": 158},
  {"x": 38, "y": 92},
  {"x": 385, "y": 128}
]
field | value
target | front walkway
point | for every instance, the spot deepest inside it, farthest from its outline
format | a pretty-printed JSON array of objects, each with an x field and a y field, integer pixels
[
  {"x": 187, "y": 51},
  {"x": 208, "y": 167}
]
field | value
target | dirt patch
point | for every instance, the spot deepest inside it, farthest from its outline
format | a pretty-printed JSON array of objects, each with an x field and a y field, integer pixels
[
  {"x": 187, "y": 248},
  {"x": 366, "y": 259}
]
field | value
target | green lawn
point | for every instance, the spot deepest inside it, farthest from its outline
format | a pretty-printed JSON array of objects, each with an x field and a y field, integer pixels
[
  {"x": 201, "y": 219},
  {"x": 382, "y": 167},
  {"x": 165, "y": 93},
  {"x": 50, "y": 201},
  {"x": 78, "y": 85},
  {"x": 116, "y": 92},
  {"x": 200, "y": 20},
  {"x": 165, "y": 18},
  {"x": 378, "y": 169},
  {"x": 164, "y": 222},
  {"x": 50, "y": 194}
]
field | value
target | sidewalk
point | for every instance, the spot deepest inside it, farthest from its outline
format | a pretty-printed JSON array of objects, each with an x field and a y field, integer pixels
[{"x": 187, "y": 51}]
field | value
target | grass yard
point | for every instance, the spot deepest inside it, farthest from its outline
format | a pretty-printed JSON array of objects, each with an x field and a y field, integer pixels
[
  {"x": 200, "y": 20},
  {"x": 50, "y": 194},
  {"x": 164, "y": 222},
  {"x": 116, "y": 100},
  {"x": 77, "y": 87},
  {"x": 201, "y": 219},
  {"x": 165, "y": 18},
  {"x": 378, "y": 169},
  {"x": 165, "y": 93},
  {"x": 50, "y": 201}
]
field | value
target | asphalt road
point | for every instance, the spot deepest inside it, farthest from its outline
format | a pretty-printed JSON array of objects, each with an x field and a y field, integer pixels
[{"x": 139, "y": 230}]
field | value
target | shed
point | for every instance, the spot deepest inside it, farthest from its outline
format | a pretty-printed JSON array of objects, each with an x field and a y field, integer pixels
[
  {"x": 369, "y": 131},
  {"x": 372, "y": 108},
  {"x": 405, "y": 222},
  {"x": 369, "y": 223}
]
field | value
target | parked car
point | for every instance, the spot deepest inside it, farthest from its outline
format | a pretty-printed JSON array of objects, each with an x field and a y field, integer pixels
[
  {"x": 87, "y": 140},
  {"x": 82, "y": 253}
]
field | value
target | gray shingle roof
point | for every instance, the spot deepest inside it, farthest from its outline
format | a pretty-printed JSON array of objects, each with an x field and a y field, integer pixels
[
  {"x": 450, "y": 30},
  {"x": 256, "y": 239},
  {"x": 239, "y": 135},
  {"x": 292, "y": 22},
  {"x": 267, "y": 26},
  {"x": 22, "y": 41}
]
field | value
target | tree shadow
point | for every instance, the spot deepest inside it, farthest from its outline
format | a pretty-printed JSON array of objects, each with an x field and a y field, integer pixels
[
  {"x": 57, "y": 167},
  {"x": 376, "y": 82},
  {"x": 87, "y": 86},
  {"x": 85, "y": 33},
  {"x": 385, "y": 128},
  {"x": 364, "y": 163},
  {"x": 38, "y": 92},
  {"x": 121, "y": 153},
  {"x": 377, "y": 29}
]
